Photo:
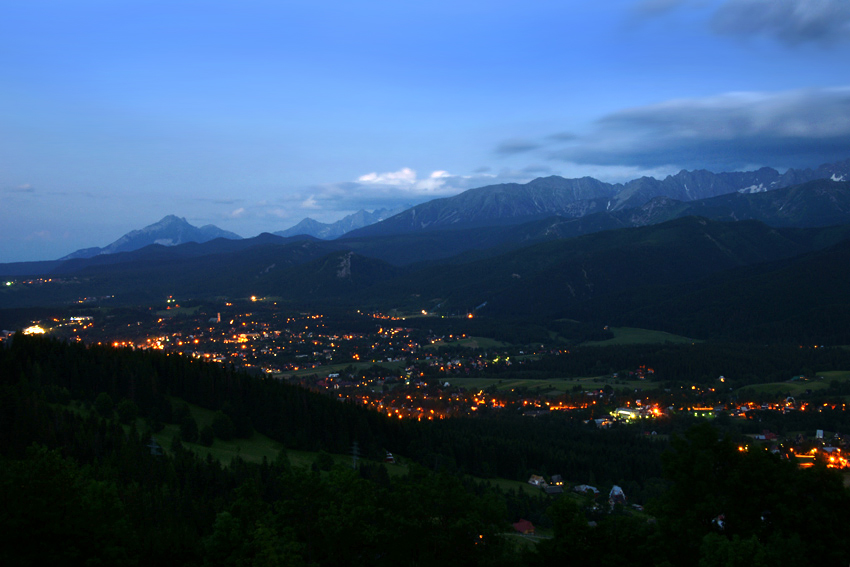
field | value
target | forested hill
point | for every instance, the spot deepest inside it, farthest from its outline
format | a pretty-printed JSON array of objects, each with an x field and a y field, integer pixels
[
  {"x": 301, "y": 419},
  {"x": 79, "y": 488}
]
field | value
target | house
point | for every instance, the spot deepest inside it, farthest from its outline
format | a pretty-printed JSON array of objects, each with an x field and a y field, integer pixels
[
  {"x": 536, "y": 480},
  {"x": 552, "y": 489},
  {"x": 616, "y": 496},
  {"x": 557, "y": 480},
  {"x": 524, "y": 527},
  {"x": 585, "y": 488}
]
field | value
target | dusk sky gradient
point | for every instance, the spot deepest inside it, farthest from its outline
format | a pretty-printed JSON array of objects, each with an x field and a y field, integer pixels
[{"x": 252, "y": 115}]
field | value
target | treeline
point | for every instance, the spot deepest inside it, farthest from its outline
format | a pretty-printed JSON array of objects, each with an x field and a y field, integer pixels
[
  {"x": 292, "y": 415},
  {"x": 723, "y": 507},
  {"x": 506, "y": 446},
  {"x": 515, "y": 446},
  {"x": 78, "y": 490},
  {"x": 701, "y": 363}
]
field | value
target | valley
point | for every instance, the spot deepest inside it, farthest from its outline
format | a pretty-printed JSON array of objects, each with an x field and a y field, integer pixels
[{"x": 524, "y": 366}]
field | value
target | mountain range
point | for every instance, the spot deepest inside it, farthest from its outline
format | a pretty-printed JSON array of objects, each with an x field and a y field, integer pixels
[
  {"x": 513, "y": 203},
  {"x": 510, "y": 204},
  {"x": 739, "y": 264}
]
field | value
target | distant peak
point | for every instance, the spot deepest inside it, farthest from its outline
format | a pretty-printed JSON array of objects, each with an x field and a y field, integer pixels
[{"x": 172, "y": 219}]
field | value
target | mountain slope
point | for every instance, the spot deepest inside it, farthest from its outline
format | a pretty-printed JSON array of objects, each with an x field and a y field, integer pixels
[
  {"x": 559, "y": 278},
  {"x": 498, "y": 204},
  {"x": 801, "y": 300}
]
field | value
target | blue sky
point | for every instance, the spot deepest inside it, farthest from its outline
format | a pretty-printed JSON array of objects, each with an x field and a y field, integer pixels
[{"x": 252, "y": 115}]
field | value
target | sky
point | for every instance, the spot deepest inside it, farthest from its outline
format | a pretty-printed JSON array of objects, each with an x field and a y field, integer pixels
[{"x": 253, "y": 115}]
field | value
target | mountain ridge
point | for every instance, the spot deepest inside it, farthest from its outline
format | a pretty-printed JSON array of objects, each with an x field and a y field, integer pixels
[
  {"x": 171, "y": 230},
  {"x": 514, "y": 203},
  {"x": 329, "y": 231}
]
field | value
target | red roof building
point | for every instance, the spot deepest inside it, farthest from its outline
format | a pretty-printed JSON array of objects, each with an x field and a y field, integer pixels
[{"x": 524, "y": 527}]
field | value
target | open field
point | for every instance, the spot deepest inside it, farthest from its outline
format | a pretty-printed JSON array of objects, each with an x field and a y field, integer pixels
[
  {"x": 175, "y": 311},
  {"x": 783, "y": 388},
  {"x": 840, "y": 375},
  {"x": 252, "y": 450},
  {"x": 798, "y": 387},
  {"x": 470, "y": 342},
  {"x": 634, "y": 336},
  {"x": 332, "y": 368},
  {"x": 553, "y": 387}
]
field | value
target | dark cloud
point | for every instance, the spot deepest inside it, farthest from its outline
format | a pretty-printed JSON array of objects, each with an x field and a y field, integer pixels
[
  {"x": 536, "y": 169},
  {"x": 562, "y": 137},
  {"x": 790, "y": 21},
  {"x": 512, "y": 147},
  {"x": 789, "y": 129},
  {"x": 219, "y": 201}
]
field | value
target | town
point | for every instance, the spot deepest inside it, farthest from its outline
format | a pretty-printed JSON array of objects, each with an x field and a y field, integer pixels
[{"x": 398, "y": 366}]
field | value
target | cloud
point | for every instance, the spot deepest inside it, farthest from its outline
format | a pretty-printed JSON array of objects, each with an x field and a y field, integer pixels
[
  {"x": 512, "y": 147},
  {"x": 216, "y": 201},
  {"x": 790, "y": 21},
  {"x": 536, "y": 169},
  {"x": 238, "y": 213},
  {"x": 404, "y": 187},
  {"x": 407, "y": 181},
  {"x": 562, "y": 136},
  {"x": 403, "y": 176},
  {"x": 728, "y": 131},
  {"x": 309, "y": 203}
]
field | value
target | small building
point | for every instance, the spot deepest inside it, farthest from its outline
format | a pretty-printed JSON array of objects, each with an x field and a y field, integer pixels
[
  {"x": 524, "y": 527},
  {"x": 585, "y": 488},
  {"x": 626, "y": 413},
  {"x": 536, "y": 480},
  {"x": 616, "y": 496}
]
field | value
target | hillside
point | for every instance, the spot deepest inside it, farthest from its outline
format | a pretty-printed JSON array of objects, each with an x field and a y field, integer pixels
[{"x": 554, "y": 279}]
